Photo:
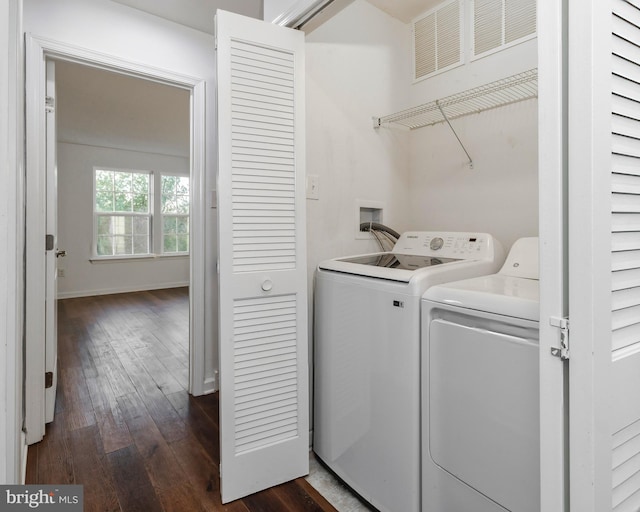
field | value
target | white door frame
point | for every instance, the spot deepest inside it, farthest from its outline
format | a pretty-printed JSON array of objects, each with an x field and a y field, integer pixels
[
  {"x": 552, "y": 185},
  {"x": 37, "y": 50},
  {"x": 12, "y": 450}
]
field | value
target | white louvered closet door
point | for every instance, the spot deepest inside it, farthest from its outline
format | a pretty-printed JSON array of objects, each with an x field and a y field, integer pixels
[
  {"x": 264, "y": 397},
  {"x": 604, "y": 255}
]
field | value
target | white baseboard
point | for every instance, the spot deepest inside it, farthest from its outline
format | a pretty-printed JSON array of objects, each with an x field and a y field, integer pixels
[
  {"x": 120, "y": 289},
  {"x": 211, "y": 384},
  {"x": 25, "y": 452}
]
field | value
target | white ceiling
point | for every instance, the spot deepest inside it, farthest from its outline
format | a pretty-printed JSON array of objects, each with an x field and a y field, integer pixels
[
  {"x": 198, "y": 14},
  {"x": 404, "y": 10},
  {"x": 101, "y": 108}
]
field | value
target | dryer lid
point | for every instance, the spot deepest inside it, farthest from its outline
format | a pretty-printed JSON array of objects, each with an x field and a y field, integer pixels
[{"x": 522, "y": 260}]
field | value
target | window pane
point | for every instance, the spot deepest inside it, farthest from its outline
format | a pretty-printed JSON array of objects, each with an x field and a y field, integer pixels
[
  {"x": 140, "y": 244},
  {"x": 182, "y": 204},
  {"x": 169, "y": 184},
  {"x": 183, "y": 224},
  {"x": 122, "y": 245},
  {"x": 141, "y": 203},
  {"x": 182, "y": 187},
  {"x": 141, "y": 184},
  {"x": 122, "y": 202},
  {"x": 104, "y": 226},
  {"x": 183, "y": 243},
  {"x": 169, "y": 243},
  {"x": 104, "y": 246},
  {"x": 168, "y": 204},
  {"x": 104, "y": 181},
  {"x": 104, "y": 201},
  {"x": 141, "y": 226},
  {"x": 170, "y": 225},
  {"x": 122, "y": 182}
]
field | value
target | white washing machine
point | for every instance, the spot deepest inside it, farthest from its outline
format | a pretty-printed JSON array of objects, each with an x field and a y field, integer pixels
[
  {"x": 367, "y": 358},
  {"x": 480, "y": 395}
]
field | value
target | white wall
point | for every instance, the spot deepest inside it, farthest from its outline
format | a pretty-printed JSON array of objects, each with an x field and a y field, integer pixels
[
  {"x": 356, "y": 68},
  {"x": 499, "y": 195},
  {"x": 75, "y": 226},
  {"x": 114, "y": 29},
  {"x": 12, "y": 443}
]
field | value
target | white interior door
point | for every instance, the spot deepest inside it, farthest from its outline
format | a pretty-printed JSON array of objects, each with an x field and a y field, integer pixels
[
  {"x": 264, "y": 403},
  {"x": 37, "y": 257},
  {"x": 604, "y": 254},
  {"x": 52, "y": 252}
]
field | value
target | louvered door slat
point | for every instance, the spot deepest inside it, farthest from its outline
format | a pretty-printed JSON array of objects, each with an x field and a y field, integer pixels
[
  {"x": 623, "y": 164},
  {"x": 626, "y": 279},
  {"x": 625, "y": 183},
  {"x": 626, "y": 126},
  {"x": 626, "y": 317},
  {"x": 625, "y": 260},
  {"x": 625, "y": 298}
]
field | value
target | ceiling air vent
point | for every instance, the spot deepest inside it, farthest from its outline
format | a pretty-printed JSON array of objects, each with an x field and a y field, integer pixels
[
  {"x": 501, "y": 23},
  {"x": 437, "y": 39}
]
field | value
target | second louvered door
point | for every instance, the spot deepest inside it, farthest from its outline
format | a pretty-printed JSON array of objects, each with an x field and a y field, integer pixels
[
  {"x": 264, "y": 403},
  {"x": 604, "y": 247}
]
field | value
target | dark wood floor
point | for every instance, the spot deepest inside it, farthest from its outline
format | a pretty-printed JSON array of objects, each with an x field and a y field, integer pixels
[{"x": 125, "y": 426}]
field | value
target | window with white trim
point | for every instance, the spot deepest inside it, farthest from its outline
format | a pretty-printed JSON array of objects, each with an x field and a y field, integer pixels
[
  {"x": 136, "y": 215},
  {"x": 122, "y": 212},
  {"x": 175, "y": 214}
]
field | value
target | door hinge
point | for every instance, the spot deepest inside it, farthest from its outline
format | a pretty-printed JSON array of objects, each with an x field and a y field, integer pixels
[
  {"x": 563, "y": 324},
  {"x": 49, "y": 104},
  {"x": 48, "y": 380},
  {"x": 49, "y": 242}
]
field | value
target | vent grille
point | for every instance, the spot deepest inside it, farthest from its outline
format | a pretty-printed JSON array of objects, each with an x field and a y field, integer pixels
[
  {"x": 265, "y": 371},
  {"x": 499, "y": 23},
  {"x": 263, "y": 158},
  {"x": 437, "y": 40},
  {"x": 625, "y": 182},
  {"x": 519, "y": 19},
  {"x": 425, "y": 46}
]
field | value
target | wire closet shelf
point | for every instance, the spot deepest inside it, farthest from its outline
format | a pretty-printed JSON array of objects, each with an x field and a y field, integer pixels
[{"x": 505, "y": 91}]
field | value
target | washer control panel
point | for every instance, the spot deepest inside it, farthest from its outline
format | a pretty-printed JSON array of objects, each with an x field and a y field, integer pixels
[{"x": 476, "y": 246}]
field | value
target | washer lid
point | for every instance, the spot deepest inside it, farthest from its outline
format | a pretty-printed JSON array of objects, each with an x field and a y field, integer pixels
[
  {"x": 417, "y": 251},
  {"x": 384, "y": 265},
  {"x": 503, "y": 295}
]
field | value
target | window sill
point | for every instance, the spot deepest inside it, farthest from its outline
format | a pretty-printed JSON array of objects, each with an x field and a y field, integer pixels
[{"x": 137, "y": 257}]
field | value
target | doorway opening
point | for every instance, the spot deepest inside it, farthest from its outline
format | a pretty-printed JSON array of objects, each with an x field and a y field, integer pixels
[{"x": 114, "y": 229}]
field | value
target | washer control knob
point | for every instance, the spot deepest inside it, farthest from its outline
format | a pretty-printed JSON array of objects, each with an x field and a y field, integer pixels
[
  {"x": 267, "y": 284},
  {"x": 436, "y": 243}
]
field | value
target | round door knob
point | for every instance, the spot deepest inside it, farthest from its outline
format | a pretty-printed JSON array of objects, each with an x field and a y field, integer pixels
[{"x": 267, "y": 284}]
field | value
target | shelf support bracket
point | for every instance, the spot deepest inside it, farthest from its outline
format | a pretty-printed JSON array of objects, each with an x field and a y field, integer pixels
[{"x": 456, "y": 135}]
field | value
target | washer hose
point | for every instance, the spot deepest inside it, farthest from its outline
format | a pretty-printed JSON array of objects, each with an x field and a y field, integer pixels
[{"x": 366, "y": 226}]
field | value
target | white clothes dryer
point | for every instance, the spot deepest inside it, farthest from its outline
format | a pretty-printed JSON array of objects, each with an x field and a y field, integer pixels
[
  {"x": 480, "y": 395},
  {"x": 367, "y": 358}
]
